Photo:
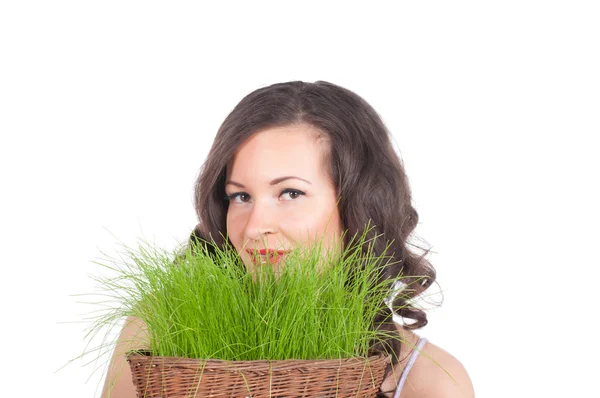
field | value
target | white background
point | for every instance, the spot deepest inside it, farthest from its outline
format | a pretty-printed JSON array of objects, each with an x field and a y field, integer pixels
[{"x": 107, "y": 111}]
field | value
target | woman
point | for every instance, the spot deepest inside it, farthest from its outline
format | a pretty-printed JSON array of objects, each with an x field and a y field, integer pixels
[{"x": 297, "y": 162}]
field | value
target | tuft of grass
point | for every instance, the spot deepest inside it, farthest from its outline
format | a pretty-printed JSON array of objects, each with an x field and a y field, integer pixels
[{"x": 319, "y": 305}]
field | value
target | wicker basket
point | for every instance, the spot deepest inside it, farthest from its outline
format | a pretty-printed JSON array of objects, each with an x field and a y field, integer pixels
[{"x": 173, "y": 377}]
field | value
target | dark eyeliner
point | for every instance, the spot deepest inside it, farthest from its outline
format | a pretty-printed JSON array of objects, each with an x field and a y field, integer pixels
[
  {"x": 234, "y": 195},
  {"x": 288, "y": 190}
]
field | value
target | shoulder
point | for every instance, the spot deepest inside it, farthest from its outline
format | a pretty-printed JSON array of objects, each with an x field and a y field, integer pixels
[{"x": 435, "y": 373}]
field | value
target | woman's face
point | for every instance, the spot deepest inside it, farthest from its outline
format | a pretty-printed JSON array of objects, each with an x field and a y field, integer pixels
[{"x": 280, "y": 196}]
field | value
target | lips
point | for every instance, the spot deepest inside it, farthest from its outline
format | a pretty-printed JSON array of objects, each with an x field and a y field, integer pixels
[{"x": 266, "y": 256}]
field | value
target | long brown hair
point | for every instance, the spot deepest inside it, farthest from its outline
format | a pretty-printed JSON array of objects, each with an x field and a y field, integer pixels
[{"x": 368, "y": 175}]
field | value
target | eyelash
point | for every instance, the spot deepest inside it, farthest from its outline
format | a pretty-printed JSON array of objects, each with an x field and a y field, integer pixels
[{"x": 233, "y": 196}]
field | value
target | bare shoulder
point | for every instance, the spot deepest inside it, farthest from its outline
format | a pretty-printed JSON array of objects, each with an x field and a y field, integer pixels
[
  {"x": 435, "y": 373},
  {"x": 119, "y": 381}
]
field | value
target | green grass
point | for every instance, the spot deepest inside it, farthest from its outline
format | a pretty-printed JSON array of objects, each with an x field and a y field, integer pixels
[{"x": 318, "y": 306}]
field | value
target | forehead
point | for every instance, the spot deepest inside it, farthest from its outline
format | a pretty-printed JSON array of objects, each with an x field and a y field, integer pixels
[{"x": 274, "y": 152}]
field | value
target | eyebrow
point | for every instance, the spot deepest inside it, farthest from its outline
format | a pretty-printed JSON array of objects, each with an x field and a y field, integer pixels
[{"x": 274, "y": 182}]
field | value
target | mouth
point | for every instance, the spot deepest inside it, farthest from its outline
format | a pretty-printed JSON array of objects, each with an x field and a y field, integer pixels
[{"x": 266, "y": 256}]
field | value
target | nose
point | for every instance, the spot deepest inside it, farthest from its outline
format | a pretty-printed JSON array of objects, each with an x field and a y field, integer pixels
[{"x": 262, "y": 222}]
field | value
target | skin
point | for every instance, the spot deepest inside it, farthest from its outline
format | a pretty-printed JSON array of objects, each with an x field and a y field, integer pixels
[
  {"x": 285, "y": 214},
  {"x": 269, "y": 211},
  {"x": 435, "y": 373}
]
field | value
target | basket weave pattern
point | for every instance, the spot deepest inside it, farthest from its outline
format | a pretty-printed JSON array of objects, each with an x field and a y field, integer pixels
[{"x": 174, "y": 377}]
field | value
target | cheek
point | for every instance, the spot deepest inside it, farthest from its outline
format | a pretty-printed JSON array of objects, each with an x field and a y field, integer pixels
[
  {"x": 234, "y": 229},
  {"x": 314, "y": 223},
  {"x": 234, "y": 223}
]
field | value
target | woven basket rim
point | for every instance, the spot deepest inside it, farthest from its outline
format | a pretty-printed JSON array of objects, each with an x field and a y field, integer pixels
[
  {"x": 160, "y": 376},
  {"x": 145, "y": 353}
]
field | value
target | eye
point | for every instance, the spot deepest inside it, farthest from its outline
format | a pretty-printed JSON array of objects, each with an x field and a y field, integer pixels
[
  {"x": 238, "y": 197},
  {"x": 291, "y": 194}
]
